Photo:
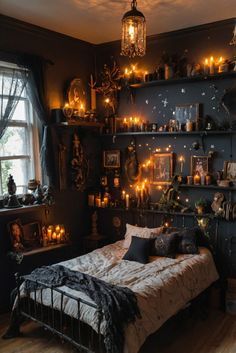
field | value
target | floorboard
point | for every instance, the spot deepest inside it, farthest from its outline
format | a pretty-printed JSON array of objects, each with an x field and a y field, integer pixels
[{"x": 216, "y": 334}]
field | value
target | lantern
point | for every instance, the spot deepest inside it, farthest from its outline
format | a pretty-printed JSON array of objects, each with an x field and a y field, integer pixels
[{"x": 133, "y": 42}]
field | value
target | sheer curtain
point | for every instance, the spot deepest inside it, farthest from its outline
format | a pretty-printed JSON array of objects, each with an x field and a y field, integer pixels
[{"x": 12, "y": 84}]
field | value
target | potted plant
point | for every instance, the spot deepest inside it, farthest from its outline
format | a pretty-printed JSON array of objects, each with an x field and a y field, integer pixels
[{"x": 200, "y": 205}]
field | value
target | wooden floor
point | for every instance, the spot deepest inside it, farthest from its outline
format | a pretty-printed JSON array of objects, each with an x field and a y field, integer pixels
[{"x": 216, "y": 334}]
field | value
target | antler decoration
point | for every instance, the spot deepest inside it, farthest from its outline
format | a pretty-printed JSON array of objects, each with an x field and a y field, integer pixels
[{"x": 110, "y": 85}]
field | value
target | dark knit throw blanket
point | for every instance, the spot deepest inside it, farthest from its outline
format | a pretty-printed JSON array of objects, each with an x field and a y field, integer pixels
[{"x": 118, "y": 304}]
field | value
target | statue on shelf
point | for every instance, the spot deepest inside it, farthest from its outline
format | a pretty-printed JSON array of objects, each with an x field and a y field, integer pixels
[
  {"x": 12, "y": 200},
  {"x": 217, "y": 204},
  {"x": 132, "y": 169},
  {"x": 79, "y": 165}
]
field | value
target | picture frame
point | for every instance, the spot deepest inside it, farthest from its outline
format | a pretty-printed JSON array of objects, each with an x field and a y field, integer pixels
[
  {"x": 32, "y": 234},
  {"x": 16, "y": 233},
  {"x": 162, "y": 168},
  {"x": 111, "y": 159},
  {"x": 229, "y": 172},
  {"x": 199, "y": 164},
  {"x": 187, "y": 112}
]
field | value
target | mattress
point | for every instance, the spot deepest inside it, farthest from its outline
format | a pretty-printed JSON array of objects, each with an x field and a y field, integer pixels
[{"x": 162, "y": 287}]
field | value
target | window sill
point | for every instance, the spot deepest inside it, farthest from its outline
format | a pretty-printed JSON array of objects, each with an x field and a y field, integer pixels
[{"x": 23, "y": 209}]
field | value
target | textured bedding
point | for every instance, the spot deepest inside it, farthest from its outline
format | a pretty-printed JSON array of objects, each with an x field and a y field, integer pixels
[{"x": 163, "y": 286}]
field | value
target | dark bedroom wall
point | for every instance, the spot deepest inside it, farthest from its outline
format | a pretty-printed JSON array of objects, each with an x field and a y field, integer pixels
[
  {"x": 157, "y": 104},
  {"x": 71, "y": 58}
]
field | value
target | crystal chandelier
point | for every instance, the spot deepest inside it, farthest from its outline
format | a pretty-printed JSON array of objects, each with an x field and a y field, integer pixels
[{"x": 133, "y": 42}]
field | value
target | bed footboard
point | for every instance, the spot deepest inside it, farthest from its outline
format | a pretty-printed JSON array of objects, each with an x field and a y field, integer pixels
[{"x": 69, "y": 328}]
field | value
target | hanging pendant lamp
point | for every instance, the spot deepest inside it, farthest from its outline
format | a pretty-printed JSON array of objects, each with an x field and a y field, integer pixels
[{"x": 133, "y": 42}]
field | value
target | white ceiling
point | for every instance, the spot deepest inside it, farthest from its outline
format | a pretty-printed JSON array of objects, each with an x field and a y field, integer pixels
[{"x": 98, "y": 21}]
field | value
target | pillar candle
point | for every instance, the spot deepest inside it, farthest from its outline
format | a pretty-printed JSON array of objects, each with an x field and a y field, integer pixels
[
  {"x": 127, "y": 200},
  {"x": 93, "y": 94}
]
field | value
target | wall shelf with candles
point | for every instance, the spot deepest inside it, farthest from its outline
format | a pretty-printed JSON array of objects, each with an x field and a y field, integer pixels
[
  {"x": 199, "y": 78},
  {"x": 174, "y": 133},
  {"x": 213, "y": 187},
  {"x": 81, "y": 123}
]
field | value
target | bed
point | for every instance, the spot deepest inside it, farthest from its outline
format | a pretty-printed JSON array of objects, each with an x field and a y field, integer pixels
[{"x": 163, "y": 286}]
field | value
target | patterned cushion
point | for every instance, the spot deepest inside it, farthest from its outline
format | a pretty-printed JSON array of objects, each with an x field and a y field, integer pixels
[
  {"x": 165, "y": 245},
  {"x": 187, "y": 241},
  {"x": 139, "y": 250},
  {"x": 141, "y": 232}
]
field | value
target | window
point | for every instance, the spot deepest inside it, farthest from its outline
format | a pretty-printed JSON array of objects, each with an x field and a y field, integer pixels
[{"x": 19, "y": 146}]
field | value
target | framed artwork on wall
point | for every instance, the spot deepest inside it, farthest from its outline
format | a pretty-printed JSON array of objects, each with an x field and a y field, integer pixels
[
  {"x": 187, "y": 116},
  {"x": 199, "y": 164},
  {"x": 162, "y": 168},
  {"x": 16, "y": 233},
  {"x": 32, "y": 234},
  {"x": 230, "y": 170},
  {"x": 111, "y": 159}
]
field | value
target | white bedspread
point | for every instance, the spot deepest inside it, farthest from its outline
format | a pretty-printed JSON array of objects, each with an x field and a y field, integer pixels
[{"x": 163, "y": 286}]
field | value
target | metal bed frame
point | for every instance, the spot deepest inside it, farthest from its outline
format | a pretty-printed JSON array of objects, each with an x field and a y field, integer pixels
[{"x": 74, "y": 330}]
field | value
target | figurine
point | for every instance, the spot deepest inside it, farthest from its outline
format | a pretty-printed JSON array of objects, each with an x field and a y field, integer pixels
[
  {"x": 217, "y": 204},
  {"x": 79, "y": 164},
  {"x": 131, "y": 164}
]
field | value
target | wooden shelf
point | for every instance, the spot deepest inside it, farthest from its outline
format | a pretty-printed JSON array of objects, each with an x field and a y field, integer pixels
[
  {"x": 89, "y": 124},
  {"x": 23, "y": 209},
  {"x": 143, "y": 210},
  {"x": 208, "y": 187},
  {"x": 44, "y": 249},
  {"x": 175, "y": 133},
  {"x": 184, "y": 80}
]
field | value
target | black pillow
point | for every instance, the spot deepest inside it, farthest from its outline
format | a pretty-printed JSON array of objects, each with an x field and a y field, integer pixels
[
  {"x": 165, "y": 245},
  {"x": 139, "y": 250},
  {"x": 187, "y": 241}
]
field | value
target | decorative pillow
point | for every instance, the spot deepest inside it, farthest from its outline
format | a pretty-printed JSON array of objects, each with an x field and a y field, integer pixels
[
  {"x": 139, "y": 250},
  {"x": 187, "y": 241},
  {"x": 165, "y": 245},
  {"x": 141, "y": 232}
]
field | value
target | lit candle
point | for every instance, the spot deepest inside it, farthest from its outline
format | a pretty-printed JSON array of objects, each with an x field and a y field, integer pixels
[
  {"x": 105, "y": 200},
  {"x": 57, "y": 229},
  {"x": 123, "y": 195},
  {"x": 212, "y": 66},
  {"x": 206, "y": 67},
  {"x": 127, "y": 201},
  {"x": 81, "y": 110},
  {"x": 49, "y": 234},
  {"x": 54, "y": 236},
  {"x": 58, "y": 238},
  {"x": 93, "y": 93},
  {"x": 181, "y": 160},
  {"x": 197, "y": 179}
]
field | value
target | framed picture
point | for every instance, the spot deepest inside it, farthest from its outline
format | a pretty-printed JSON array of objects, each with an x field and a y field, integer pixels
[
  {"x": 187, "y": 113},
  {"x": 230, "y": 170},
  {"x": 162, "y": 168},
  {"x": 32, "y": 234},
  {"x": 199, "y": 164},
  {"x": 16, "y": 233},
  {"x": 111, "y": 159}
]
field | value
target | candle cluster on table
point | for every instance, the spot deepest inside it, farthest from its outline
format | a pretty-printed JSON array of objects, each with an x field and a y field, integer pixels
[
  {"x": 131, "y": 124},
  {"x": 213, "y": 66},
  {"x": 96, "y": 200},
  {"x": 133, "y": 74},
  {"x": 54, "y": 234}
]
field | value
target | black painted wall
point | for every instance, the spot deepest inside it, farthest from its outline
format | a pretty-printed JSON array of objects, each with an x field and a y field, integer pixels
[{"x": 157, "y": 104}]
